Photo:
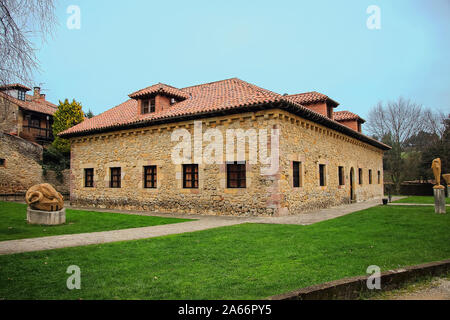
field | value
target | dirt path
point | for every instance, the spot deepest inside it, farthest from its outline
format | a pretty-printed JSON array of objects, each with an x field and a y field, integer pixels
[{"x": 437, "y": 289}]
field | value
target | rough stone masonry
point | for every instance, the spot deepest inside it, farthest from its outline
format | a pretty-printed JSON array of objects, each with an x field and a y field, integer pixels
[{"x": 300, "y": 140}]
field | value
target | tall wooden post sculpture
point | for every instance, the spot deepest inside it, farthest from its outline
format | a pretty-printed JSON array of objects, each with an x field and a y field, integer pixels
[
  {"x": 438, "y": 189},
  {"x": 447, "y": 179}
]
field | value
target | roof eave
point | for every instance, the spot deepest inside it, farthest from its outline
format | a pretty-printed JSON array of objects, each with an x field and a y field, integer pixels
[{"x": 281, "y": 104}]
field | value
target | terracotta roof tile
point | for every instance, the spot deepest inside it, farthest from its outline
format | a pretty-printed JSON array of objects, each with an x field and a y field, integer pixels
[
  {"x": 220, "y": 96},
  {"x": 40, "y": 106},
  {"x": 160, "y": 88},
  {"x": 310, "y": 98},
  {"x": 347, "y": 115},
  {"x": 14, "y": 86}
]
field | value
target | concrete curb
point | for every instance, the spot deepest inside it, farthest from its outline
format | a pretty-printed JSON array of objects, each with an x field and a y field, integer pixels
[{"x": 352, "y": 288}]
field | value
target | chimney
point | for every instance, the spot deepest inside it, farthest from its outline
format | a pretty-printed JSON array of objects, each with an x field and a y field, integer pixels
[
  {"x": 36, "y": 93},
  {"x": 42, "y": 97}
]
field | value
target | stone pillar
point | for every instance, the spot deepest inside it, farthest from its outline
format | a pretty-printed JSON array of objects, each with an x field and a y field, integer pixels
[{"x": 439, "y": 200}]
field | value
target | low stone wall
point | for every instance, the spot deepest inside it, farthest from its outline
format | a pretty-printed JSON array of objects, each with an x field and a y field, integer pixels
[
  {"x": 22, "y": 168},
  {"x": 352, "y": 288}
]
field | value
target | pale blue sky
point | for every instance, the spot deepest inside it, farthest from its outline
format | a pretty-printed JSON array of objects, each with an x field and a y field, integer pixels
[{"x": 284, "y": 46}]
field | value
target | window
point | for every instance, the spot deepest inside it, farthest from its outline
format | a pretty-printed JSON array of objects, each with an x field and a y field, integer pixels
[
  {"x": 89, "y": 178},
  {"x": 236, "y": 175},
  {"x": 150, "y": 177},
  {"x": 115, "y": 181},
  {"x": 379, "y": 176},
  {"x": 2, "y": 162},
  {"x": 21, "y": 95},
  {"x": 148, "y": 106},
  {"x": 341, "y": 176},
  {"x": 360, "y": 176},
  {"x": 190, "y": 176},
  {"x": 35, "y": 123},
  {"x": 322, "y": 179},
  {"x": 296, "y": 173},
  {"x": 370, "y": 176}
]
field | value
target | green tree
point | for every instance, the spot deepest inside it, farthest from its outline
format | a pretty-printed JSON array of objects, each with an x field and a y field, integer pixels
[
  {"x": 67, "y": 115},
  {"x": 89, "y": 114}
]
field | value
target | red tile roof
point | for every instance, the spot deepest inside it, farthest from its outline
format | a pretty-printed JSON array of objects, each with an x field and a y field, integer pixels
[
  {"x": 160, "y": 88},
  {"x": 310, "y": 98},
  {"x": 231, "y": 95},
  {"x": 347, "y": 115},
  {"x": 41, "y": 106},
  {"x": 14, "y": 86}
]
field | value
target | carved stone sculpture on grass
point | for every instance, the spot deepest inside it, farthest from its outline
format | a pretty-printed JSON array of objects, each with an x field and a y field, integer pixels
[{"x": 45, "y": 205}]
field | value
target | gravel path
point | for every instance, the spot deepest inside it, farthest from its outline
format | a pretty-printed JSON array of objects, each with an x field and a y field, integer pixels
[{"x": 203, "y": 223}]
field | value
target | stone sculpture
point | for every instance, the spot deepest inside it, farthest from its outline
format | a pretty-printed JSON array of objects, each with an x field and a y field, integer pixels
[
  {"x": 44, "y": 197},
  {"x": 45, "y": 205}
]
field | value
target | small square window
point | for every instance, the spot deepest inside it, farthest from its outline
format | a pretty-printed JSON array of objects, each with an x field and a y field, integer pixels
[
  {"x": 190, "y": 176},
  {"x": 322, "y": 178},
  {"x": 148, "y": 106},
  {"x": 2, "y": 162},
  {"x": 341, "y": 176},
  {"x": 21, "y": 95},
  {"x": 115, "y": 179},
  {"x": 236, "y": 175},
  {"x": 88, "y": 178}
]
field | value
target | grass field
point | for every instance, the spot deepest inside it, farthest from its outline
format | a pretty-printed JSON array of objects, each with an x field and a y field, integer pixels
[
  {"x": 249, "y": 261},
  {"x": 420, "y": 200},
  {"x": 13, "y": 223}
]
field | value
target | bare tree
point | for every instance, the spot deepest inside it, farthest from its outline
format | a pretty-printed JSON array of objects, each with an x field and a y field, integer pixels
[
  {"x": 22, "y": 24},
  {"x": 395, "y": 123},
  {"x": 400, "y": 119},
  {"x": 435, "y": 121}
]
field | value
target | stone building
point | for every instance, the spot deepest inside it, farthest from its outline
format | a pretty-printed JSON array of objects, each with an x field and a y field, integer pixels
[
  {"x": 124, "y": 157},
  {"x": 27, "y": 116}
]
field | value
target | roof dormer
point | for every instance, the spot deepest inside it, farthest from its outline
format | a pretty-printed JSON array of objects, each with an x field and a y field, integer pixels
[
  {"x": 157, "y": 98},
  {"x": 317, "y": 102},
  {"x": 15, "y": 90},
  {"x": 349, "y": 119}
]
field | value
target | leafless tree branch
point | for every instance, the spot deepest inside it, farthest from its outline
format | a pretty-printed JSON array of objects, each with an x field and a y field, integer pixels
[{"x": 22, "y": 24}]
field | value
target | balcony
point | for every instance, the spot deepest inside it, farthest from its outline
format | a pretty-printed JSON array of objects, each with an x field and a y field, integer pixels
[{"x": 39, "y": 134}]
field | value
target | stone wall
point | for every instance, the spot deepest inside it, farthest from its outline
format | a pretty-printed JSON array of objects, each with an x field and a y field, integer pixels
[
  {"x": 22, "y": 168},
  {"x": 62, "y": 186},
  {"x": 9, "y": 116},
  {"x": 264, "y": 195},
  {"x": 312, "y": 145}
]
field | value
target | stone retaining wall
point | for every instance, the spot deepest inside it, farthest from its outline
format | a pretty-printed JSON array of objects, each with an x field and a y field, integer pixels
[{"x": 353, "y": 288}]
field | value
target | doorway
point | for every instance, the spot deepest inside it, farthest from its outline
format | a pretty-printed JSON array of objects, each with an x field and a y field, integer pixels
[{"x": 352, "y": 185}]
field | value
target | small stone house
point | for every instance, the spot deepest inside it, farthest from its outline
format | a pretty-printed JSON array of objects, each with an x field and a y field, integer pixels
[
  {"x": 27, "y": 116},
  {"x": 124, "y": 157}
]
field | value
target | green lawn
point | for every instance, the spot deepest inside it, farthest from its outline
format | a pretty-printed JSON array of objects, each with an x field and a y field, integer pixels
[
  {"x": 13, "y": 222},
  {"x": 249, "y": 261},
  {"x": 420, "y": 200}
]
